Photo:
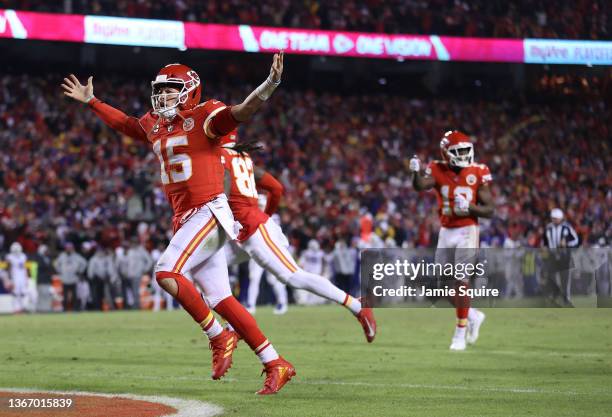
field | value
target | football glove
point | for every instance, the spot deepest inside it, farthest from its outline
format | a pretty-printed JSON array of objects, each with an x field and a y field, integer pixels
[
  {"x": 462, "y": 205},
  {"x": 415, "y": 164}
]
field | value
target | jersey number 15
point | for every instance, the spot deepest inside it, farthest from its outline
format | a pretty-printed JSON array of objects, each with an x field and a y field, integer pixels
[{"x": 175, "y": 167}]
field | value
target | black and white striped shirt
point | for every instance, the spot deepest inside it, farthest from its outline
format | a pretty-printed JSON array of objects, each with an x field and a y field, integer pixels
[{"x": 554, "y": 234}]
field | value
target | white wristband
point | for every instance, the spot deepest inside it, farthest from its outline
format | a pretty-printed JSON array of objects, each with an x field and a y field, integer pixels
[
  {"x": 88, "y": 99},
  {"x": 265, "y": 90}
]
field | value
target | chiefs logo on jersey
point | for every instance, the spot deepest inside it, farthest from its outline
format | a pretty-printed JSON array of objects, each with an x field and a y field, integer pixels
[{"x": 188, "y": 124}]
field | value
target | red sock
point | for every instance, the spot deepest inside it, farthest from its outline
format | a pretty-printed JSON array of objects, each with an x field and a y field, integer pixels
[
  {"x": 187, "y": 296},
  {"x": 462, "y": 305},
  {"x": 242, "y": 322}
]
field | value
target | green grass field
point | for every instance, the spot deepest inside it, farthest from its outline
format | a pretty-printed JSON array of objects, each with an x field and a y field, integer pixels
[{"x": 528, "y": 362}]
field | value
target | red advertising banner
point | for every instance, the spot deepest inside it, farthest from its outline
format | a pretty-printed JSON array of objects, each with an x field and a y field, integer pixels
[
  {"x": 42, "y": 26},
  {"x": 182, "y": 35}
]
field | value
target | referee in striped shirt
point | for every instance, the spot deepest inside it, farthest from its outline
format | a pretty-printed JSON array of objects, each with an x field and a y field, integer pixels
[{"x": 558, "y": 236}]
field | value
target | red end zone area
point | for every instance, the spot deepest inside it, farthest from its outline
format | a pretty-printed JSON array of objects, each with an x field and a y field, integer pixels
[{"x": 38, "y": 403}]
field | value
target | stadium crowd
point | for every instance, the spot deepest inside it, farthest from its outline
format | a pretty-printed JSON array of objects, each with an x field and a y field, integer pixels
[
  {"x": 571, "y": 19},
  {"x": 66, "y": 179}
]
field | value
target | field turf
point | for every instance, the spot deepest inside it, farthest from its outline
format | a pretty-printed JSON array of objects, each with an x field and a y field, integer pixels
[{"x": 528, "y": 362}]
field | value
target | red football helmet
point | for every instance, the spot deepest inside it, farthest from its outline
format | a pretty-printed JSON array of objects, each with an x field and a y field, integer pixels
[
  {"x": 185, "y": 80},
  {"x": 229, "y": 140},
  {"x": 457, "y": 149}
]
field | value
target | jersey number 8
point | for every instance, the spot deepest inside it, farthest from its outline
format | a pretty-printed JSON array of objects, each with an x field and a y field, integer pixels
[{"x": 243, "y": 174}]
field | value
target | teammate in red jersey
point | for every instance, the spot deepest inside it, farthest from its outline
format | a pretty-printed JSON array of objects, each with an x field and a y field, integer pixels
[
  {"x": 263, "y": 240},
  {"x": 184, "y": 134},
  {"x": 462, "y": 188}
]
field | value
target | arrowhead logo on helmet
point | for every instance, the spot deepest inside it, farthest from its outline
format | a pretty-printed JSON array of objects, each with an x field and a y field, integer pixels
[
  {"x": 457, "y": 149},
  {"x": 176, "y": 87}
]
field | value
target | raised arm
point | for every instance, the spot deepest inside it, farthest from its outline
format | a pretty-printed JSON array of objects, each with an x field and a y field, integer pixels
[
  {"x": 420, "y": 182},
  {"x": 225, "y": 119},
  {"x": 111, "y": 116},
  {"x": 274, "y": 188},
  {"x": 245, "y": 110}
]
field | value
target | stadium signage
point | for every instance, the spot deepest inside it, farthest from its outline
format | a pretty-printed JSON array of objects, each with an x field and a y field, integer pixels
[
  {"x": 187, "y": 35},
  {"x": 137, "y": 32},
  {"x": 294, "y": 41},
  {"x": 257, "y": 39},
  {"x": 546, "y": 51}
]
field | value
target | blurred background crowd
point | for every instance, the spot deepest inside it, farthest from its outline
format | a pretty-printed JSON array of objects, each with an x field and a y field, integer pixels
[
  {"x": 342, "y": 159},
  {"x": 71, "y": 185},
  {"x": 338, "y": 134},
  {"x": 569, "y": 19}
]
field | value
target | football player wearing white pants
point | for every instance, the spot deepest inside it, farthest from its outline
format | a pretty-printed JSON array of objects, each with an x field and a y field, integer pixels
[
  {"x": 183, "y": 133},
  {"x": 18, "y": 275},
  {"x": 462, "y": 190},
  {"x": 280, "y": 289},
  {"x": 459, "y": 246},
  {"x": 263, "y": 240},
  {"x": 255, "y": 274}
]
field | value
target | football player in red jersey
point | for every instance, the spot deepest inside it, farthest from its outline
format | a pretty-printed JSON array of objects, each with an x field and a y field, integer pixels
[
  {"x": 262, "y": 240},
  {"x": 462, "y": 188},
  {"x": 184, "y": 134}
]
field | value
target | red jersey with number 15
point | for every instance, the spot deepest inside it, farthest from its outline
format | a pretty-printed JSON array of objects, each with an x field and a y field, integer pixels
[
  {"x": 243, "y": 195},
  {"x": 190, "y": 170},
  {"x": 450, "y": 183}
]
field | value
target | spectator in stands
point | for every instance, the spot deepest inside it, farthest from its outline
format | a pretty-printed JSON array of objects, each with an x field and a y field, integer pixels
[
  {"x": 357, "y": 188},
  {"x": 519, "y": 18}
]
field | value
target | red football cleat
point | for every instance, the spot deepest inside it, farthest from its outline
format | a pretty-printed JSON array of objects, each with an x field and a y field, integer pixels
[
  {"x": 278, "y": 373},
  {"x": 368, "y": 322},
  {"x": 222, "y": 347}
]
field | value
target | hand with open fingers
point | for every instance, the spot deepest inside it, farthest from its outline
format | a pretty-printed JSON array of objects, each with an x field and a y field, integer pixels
[
  {"x": 277, "y": 67},
  {"x": 74, "y": 89}
]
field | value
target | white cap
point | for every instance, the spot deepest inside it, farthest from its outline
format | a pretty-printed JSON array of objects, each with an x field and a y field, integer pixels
[
  {"x": 313, "y": 245},
  {"x": 556, "y": 213}
]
